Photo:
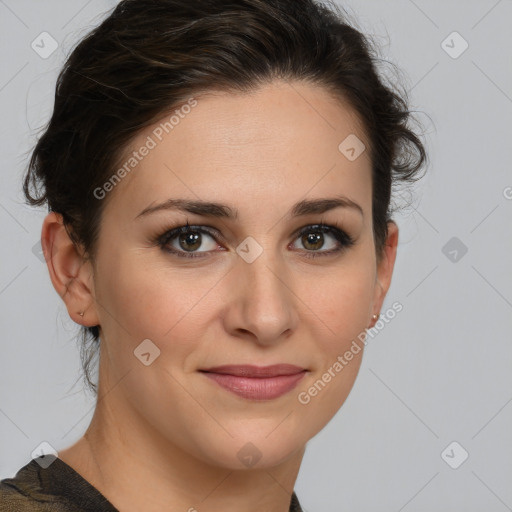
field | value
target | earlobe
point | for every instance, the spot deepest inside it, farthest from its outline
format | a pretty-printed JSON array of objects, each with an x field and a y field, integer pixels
[
  {"x": 385, "y": 270},
  {"x": 70, "y": 273}
]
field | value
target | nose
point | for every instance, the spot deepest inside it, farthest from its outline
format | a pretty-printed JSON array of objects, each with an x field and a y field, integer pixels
[{"x": 262, "y": 304}]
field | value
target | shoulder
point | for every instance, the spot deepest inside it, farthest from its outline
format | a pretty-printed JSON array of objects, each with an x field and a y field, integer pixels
[
  {"x": 50, "y": 485},
  {"x": 13, "y": 499},
  {"x": 23, "y": 492},
  {"x": 294, "y": 504}
]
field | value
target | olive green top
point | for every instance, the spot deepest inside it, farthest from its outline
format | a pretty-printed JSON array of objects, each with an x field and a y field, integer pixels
[{"x": 52, "y": 486}]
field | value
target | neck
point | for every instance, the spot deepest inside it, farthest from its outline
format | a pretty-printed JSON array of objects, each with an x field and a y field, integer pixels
[{"x": 135, "y": 468}]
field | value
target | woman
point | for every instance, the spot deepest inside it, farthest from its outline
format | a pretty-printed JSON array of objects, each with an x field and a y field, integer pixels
[{"x": 218, "y": 177}]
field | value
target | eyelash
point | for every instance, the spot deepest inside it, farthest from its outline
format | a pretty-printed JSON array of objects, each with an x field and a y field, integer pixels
[{"x": 344, "y": 239}]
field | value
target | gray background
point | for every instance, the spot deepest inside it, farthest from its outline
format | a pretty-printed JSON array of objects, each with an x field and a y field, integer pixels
[{"x": 438, "y": 373}]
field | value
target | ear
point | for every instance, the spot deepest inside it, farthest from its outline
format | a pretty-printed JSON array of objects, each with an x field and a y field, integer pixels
[
  {"x": 70, "y": 273},
  {"x": 385, "y": 270}
]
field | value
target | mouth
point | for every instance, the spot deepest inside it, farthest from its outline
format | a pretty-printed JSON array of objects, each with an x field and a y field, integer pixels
[{"x": 256, "y": 382}]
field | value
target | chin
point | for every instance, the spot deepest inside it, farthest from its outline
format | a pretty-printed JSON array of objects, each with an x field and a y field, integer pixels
[{"x": 252, "y": 449}]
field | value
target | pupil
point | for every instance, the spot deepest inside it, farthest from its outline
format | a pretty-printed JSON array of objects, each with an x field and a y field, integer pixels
[
  {"x": 314, "y": 239},
  {"x": 190, "y": 241}
]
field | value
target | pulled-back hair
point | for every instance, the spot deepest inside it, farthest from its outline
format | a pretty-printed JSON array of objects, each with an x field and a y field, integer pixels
[{"x": 149, "y": 56}]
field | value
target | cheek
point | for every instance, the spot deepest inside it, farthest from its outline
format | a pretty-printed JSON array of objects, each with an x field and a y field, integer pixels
[
  {"x": 339, "y": 301},
  {"x": 340, "y": 306},
  {"x": 141, "y": 295},
  {"x": 143, "y": 300}
]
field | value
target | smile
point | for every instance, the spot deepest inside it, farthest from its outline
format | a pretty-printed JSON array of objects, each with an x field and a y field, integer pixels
[{"x": 256, "y": 383}]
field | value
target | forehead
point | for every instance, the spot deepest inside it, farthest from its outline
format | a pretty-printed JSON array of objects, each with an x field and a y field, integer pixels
[{"x": 236, "y": 147}]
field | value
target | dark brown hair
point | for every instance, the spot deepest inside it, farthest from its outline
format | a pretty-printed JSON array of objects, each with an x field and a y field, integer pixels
[{"x": 148, "y": 56}]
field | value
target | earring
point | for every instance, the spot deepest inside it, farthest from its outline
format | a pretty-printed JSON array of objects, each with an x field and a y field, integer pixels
[
  {"x": 374, "y": 317},
  {"x": 81, "y": 313}
]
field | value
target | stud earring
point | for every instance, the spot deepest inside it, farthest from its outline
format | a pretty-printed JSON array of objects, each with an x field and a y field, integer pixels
[{"x": 81, "y": 313}]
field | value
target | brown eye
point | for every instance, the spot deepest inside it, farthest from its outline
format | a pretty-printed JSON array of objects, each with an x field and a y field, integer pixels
[
  {"x": 329, "y": 239},
  {"x": 313, "y": 241},
  {"x": 190, "y": 241}
]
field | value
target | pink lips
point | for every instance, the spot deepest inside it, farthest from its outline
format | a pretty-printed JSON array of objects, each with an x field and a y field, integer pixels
[{"x": 257, "y": 382}]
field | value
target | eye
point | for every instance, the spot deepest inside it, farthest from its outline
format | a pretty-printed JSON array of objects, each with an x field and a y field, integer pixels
[
  {"x": 197, "y": 241},
  {"x": 187, "y": 241},
  {"x": 323, "y": 236}
]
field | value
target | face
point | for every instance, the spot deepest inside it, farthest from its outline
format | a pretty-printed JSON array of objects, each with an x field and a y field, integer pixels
[{"x": 277, "y": 266}]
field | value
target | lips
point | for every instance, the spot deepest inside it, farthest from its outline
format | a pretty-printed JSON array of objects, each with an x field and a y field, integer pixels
[
  {"x": 246, "y": 370},
  {"x": 256, "y": 382}
]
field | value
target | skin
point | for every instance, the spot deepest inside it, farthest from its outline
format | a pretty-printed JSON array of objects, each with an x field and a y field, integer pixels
[{"x": 166, "y": 426}]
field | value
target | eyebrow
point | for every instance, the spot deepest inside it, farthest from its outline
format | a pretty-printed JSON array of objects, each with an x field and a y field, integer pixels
[{"x": 218, "y": 210}]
